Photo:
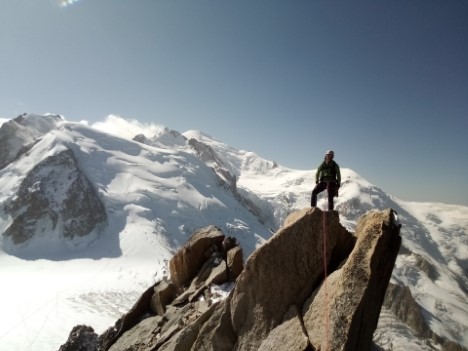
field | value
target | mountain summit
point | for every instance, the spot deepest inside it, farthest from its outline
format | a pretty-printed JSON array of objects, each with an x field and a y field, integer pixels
[
  {"x": 282, "y": 300},
  {"x": 92, "y": 219}
]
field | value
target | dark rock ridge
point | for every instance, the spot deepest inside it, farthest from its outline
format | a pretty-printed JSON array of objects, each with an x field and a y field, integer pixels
[
  {"x": 54, "y": 196},
  {"x": 225, "y": 177},
  {"x": 400, "y": 301},
  {"x": 82, "y": 338},
  {"x": 167, "y": 137},
  {"x": 209, "y": 156},
  {"x": 280, "y": 300}
]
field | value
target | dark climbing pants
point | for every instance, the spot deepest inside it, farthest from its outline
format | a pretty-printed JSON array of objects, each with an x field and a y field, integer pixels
[{"x": 321, "y": 186}]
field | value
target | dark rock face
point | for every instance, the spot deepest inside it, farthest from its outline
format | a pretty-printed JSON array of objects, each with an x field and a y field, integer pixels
[
  {"x": 225, "y": 178},
  {"x": 400, "y": 301},
  {"x": 280, "y": 300},
  {"x": 81, "y": 338},
  {"x": 55, "y": 193},
  {"x": 209, "y": 156}
]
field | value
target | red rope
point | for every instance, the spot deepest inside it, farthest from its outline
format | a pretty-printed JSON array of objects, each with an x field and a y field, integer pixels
[{"x": 326, "y": 302}]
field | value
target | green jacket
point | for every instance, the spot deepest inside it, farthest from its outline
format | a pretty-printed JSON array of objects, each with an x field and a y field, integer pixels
[{"x": 328, "y": 172}]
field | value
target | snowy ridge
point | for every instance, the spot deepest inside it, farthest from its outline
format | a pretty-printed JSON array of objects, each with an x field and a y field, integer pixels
[{"x": 157, "y": 190}]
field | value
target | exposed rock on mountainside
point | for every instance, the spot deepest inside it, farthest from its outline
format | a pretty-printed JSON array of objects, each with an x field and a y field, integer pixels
[
  {"x": 166, "y": 137},
  {"x": 209, "y": 156},
  {"x": 399, "y": 300},
  {"x": 54, "y": 194},
  {"x": 280, "y": 301},
  {"x": 81, "y": 338},
  {"x": 17, "y": 137},
  {"x": 170, "y": 312},
  {"x": 225, "y": 176}
]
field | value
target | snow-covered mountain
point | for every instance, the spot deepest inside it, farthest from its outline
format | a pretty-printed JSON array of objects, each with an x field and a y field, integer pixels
[{"x": 89, "y": 220}]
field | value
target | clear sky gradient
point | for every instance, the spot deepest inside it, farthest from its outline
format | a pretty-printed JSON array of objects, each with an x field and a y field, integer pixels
[{"x": 383, "y": 83}]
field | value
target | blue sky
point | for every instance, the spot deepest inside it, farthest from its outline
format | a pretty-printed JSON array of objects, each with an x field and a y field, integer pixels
[{"x": 383, "y": 83}]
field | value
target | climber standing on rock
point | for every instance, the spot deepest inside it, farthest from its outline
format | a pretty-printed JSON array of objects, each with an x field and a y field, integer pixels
[{"x": 328, "y": 177}]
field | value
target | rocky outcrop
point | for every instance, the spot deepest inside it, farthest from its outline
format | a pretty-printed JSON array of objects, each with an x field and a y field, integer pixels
[
  {"x": 166, "y": 137},
  {"x": 350, "y": 300},
  {"x": 185, "y": 263},
  {"x": 19, "y": 135},
  {"x": 54, "y": 194},
  {"x": 169, "y": 314},
  {"x": 400, "y": 301},
  {"x": 226, "y": 178},
  {"x": 209, "y": 156},
  {"x": 81, "y": 338},
  {"x": 287, "y": 273},
  {"x": 281, "y": 300}
]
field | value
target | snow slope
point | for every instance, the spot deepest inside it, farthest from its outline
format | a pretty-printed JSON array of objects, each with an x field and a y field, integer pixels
[
  {"x": 433, "y": 233},
  {"x": 156, "y": 193}
]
